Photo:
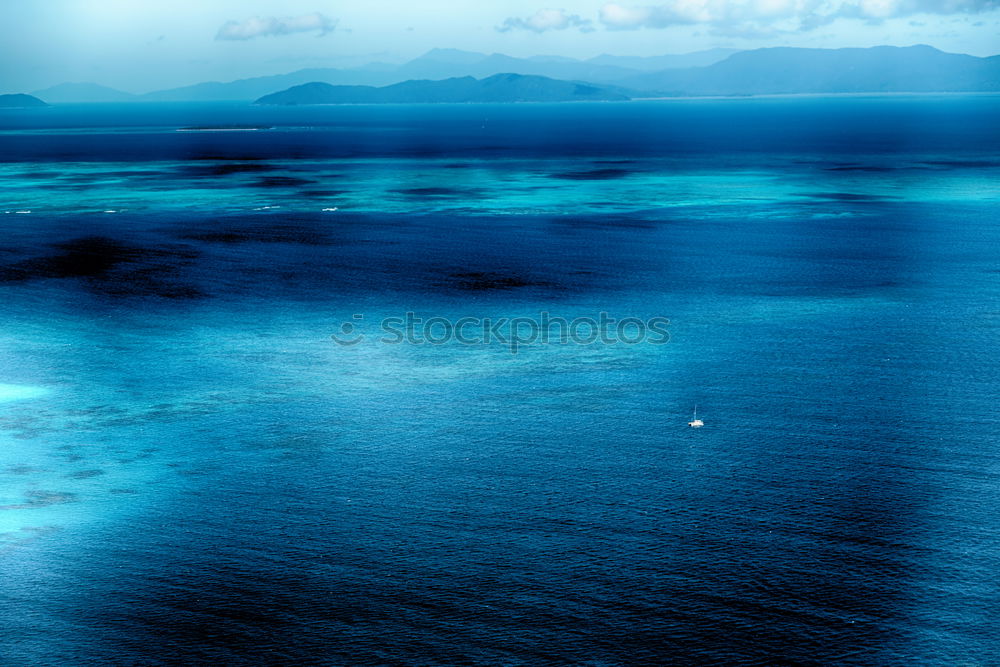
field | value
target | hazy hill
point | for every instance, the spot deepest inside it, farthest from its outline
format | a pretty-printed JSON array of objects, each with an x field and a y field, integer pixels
[
  {"x": 657, "y": 63},
  {"x": 252, "y": 88},
  {"x": 82, "y": 92},
  {"x": 792, "y": 70},
  {"x": 497, "y": 88},
  {"x": 20, "y": 101}
]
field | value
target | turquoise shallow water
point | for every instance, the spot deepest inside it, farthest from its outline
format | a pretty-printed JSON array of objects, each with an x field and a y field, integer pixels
[{"x": 193, "y": 471}]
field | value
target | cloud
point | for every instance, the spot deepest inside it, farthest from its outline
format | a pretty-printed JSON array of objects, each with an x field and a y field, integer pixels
[
  {"x": 262, "y": 27},
  {"x": 547, "y": 19},
  {"x": 760, "y": 16}
]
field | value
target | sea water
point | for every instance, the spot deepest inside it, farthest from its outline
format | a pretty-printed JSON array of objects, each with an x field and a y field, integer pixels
[{"x": 193, "y": 470}]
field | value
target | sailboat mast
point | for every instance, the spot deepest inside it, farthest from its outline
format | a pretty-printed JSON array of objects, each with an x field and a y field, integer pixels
[{"x": 695, "y": 422}]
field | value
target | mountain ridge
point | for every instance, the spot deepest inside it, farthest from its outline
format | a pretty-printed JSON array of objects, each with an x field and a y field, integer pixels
[
  {"x": 789, "y": 70},
  {"x": 499, "y": 88},
  {"x": 435, "y": 64}
]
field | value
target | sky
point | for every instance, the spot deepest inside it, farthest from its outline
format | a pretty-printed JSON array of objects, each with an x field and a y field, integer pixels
[{"x": 143, "y": 45}]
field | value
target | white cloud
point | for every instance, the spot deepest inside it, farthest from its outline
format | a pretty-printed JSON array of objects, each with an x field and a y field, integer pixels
[
  {"x": 546, "y": 19},
  {"x": 261, "y": 27},
  {"x": 760, "y": 15},
  {"x": 619, "y": 17}
]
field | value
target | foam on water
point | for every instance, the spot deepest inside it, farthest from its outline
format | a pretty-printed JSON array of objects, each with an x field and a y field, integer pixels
[{"x": 16, "y": 392}]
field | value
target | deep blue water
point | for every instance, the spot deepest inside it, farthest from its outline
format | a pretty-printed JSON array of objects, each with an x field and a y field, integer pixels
[{"x": 192, "y": 471}]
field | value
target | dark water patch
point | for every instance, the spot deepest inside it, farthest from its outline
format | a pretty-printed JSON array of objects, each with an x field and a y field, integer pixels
[
  {"x": 457, "y": 165},
  {"x": 85, "y": 474},
  {"x": 96, "y": 256},
  {"x": 41, "y": 174},
  {"x": 88, "y": 257},
  {"x": 116, "y": 175},
  {"x": 464, "y": 210},
  {"x": 83, "y": 258},
  {"x": 79, "y": 179},
  {"x": 132, "y": 173},
  {"x": 971, "y": 164},
  {"x": 423, "y": 151},
  {"x": 319, "y": 194},
  {"x": 848, "y": 196},
  {"x": 221, "y": 157},
  {"x": 610, "y": 221},
  {"x": 24, "y": 536},
  {"x": 111, "y": 267},
  {"x": 439, "y": 192},
  {"x": 282, "y": 182},
  {"x": 489, "y": 149},
  {"x": 24, "y": 470},
  {"x": 480, "y": 281},
  {"x": 262, "y": 229},
  {"x": 36, "y": 499},
  {"x": 227, "y": 168},
  {"x": 860, "y": 167},
  {"x": 123, "y": 492},
  {"x": 591, "y": 175},
  {"x": 100, "y": 177}
]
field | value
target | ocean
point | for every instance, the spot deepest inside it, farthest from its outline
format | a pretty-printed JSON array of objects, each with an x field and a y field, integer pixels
[{"x": 212, "y": 453}]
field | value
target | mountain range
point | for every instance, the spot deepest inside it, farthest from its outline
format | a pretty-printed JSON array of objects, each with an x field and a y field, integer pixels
[
  {"x": 781, "y": 70},
  {"x": 880, "y": 69},
  {"x": 436, "y": 64}
]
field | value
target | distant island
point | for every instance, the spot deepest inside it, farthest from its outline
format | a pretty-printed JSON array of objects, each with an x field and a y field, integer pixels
[
  {"x": 499, "y": 88},
  {"x": 20, "y": 101}
]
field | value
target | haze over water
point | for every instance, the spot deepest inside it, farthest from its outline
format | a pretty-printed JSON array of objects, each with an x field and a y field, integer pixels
[{"x": 194, "y": 471}]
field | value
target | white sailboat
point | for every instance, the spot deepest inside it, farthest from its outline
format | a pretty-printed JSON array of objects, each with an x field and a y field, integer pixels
[{"x": 695, "y": 422}]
